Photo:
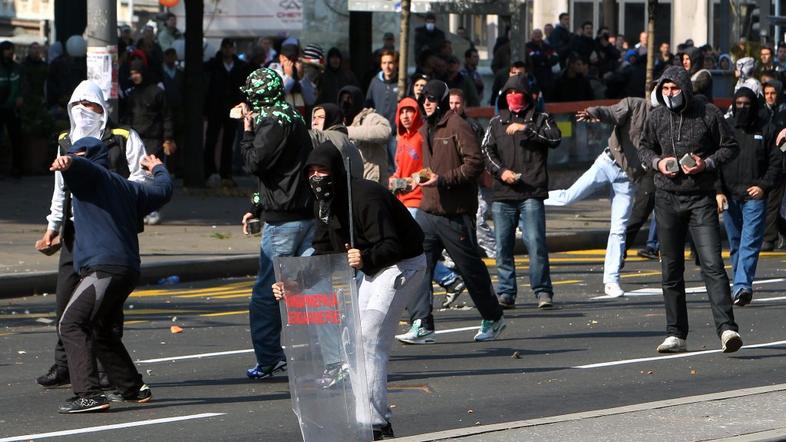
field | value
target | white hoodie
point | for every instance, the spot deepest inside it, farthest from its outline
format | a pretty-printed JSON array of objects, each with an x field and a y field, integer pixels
[{"x": 135, "y": 149}]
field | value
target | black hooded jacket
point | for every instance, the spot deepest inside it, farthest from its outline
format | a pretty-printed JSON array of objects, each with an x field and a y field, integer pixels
[
  {"x": 695, "y": 127},
  {"x": 145, "y": 108},
  {"x": 759, "y": 162},
  {"x": 524, "y": 152},
  {"x": 384, "y": 231}
]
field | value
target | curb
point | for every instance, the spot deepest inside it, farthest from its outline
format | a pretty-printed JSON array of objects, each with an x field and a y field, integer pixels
[{"x": 17, "y": 285}]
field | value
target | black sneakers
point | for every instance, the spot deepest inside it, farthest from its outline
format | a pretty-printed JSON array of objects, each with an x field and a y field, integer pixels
[
  {"x": 56, "y": 377},
  {"x": 143, "y": 395},
  {"x": 78, "y": 404},
  {"x": 383, "y": 432}
]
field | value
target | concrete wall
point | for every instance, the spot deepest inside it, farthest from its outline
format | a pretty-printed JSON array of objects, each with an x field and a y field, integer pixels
[
  {"x": 689, "y": 20},
  {"x": 547, "y": 11}
]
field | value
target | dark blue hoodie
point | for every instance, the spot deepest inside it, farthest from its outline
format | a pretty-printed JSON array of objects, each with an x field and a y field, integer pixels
[{"x": 107, "y": 207}]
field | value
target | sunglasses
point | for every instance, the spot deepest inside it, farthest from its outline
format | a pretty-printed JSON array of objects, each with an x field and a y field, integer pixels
[{"x": 432, "y": 98}]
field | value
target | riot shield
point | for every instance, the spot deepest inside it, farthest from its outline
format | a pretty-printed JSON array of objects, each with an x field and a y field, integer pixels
[{"x": 321, "y": 336}]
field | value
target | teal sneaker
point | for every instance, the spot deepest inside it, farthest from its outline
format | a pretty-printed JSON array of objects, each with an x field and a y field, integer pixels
[
  {"x": 417, "y": 335},
  {"x": 490, "y": 330}
]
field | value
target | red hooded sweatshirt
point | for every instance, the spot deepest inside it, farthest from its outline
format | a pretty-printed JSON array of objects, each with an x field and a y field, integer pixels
[{"x": 409, "y": 152}]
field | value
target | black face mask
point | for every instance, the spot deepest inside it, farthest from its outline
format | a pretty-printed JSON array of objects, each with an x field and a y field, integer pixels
[
  {"x": 743, "y": 116},
  {"x": 322, "y": 186}
]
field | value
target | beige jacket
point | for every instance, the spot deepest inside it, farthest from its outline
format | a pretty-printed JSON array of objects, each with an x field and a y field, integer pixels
[{"x": 371, "y": 132}]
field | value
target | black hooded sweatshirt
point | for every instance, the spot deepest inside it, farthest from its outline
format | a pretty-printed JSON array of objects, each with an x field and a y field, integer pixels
[
  {"x": 695, "y": 127},
  {"x": 759, "y": 161},
  {"x": 701, "y": 79},
  {"x": 525, "y": 152},
  {"x": 384, "y": 231},
  {"x": 145, "y": 108},
  {"x": 358, "y": 101},
  {"x": 334, "y": 79}
]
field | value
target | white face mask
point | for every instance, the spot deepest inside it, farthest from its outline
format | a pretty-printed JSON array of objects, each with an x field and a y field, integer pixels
[
  {"x": 430, "y": 26},
  {"x": 86, "y": 123},
  {"x": 673, "y": 102}
]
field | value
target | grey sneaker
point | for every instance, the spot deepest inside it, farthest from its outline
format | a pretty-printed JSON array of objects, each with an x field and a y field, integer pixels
[
  {"x": 730, "y": 341},
  {"x": 545, "y": 301},
  {"x": 417, "y": 334},
  {"x": 142, "y": 396},
  {"x": 672, "y": 344},
  {"x": 490, "y": 330}
]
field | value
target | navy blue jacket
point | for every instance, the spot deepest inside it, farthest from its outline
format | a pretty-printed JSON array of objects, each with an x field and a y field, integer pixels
[{"x": 107, "y": 208}]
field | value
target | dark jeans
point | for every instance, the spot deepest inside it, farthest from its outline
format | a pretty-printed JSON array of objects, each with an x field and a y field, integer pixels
[
  {"x": 676, "y": 216},
  {"x": 456, "y": 234},
  {"x": 642, "y": 207},
  {"x": 88, "y": 330},
  {"x": 214, "y": 126},
  {"x": 67, "y": 280}
]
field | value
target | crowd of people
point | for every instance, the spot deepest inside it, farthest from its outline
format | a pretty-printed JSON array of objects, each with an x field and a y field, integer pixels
[{"x": 404, "y": 186}]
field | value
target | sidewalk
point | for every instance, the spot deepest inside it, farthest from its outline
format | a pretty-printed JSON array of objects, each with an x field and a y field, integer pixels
[
  {"x": 751, "y": 414},
  {"x": 200, "y": 236}
]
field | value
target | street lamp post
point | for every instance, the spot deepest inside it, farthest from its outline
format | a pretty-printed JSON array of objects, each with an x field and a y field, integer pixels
[{"x": 102, "y": 49}]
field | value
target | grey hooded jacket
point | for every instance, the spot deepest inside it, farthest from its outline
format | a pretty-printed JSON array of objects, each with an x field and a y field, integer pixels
[
  {"x": 695, "y": 127},
  {"x": 628, "y": 117}
]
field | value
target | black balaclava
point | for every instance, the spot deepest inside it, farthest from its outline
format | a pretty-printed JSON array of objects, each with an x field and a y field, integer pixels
[
  {"x": 438, "y": 89},
  {"x": 330, "y": 191},
  {"x": 745, "y": 117}
]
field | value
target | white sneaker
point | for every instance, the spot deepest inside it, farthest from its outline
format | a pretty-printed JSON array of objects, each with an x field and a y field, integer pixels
[
  {"x": 672, "y": 344},
  {"x": 490, "y": 330},
  {"x": 730, "y": 341},
  {"x": 614, "y": 290},
  {"x": 153, "y": 218},
  {"x": 214, "y": 181}
]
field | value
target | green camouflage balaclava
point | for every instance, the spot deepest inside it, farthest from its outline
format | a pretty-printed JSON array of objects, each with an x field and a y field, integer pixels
[{"x": 264, "y": 90}]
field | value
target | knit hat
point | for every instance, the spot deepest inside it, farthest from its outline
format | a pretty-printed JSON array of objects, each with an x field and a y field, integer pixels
[{"x": 313, "y": 54}]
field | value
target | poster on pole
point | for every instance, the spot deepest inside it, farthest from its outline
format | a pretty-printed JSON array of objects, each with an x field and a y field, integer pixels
[{"x": 102, "y": 69}]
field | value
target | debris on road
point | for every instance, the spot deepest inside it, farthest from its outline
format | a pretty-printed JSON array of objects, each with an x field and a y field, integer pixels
[{"x": 176, "y": 329}]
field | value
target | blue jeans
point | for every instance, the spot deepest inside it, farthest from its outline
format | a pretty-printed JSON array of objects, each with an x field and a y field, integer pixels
[
  {"x": 292, "y": 238},
  {"x": 442, "y": 274},
  {"x": 652, "y": 236},
  {"x": 604, "y": 171},
  {"x": 530, "y": 215},
  {"x": 745, "y": 227}
]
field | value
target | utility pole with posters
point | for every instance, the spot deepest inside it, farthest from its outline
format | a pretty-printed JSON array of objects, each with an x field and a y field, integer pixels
[
  {"x": 652, "y": 6},
  {"x": 102, "y": 49},
  {"x": 194, "y": 175}
]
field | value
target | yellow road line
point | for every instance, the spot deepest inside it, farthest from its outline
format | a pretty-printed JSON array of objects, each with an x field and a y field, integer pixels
[
  {"x": 179, "y": 291},
  {"x": 216, "y": 294},
  {"x": 242, "y": 295},
  {"x": 239, "y": 312},
  {"x": 639, "y": 275},
  {"x": 567, "y": 281}
]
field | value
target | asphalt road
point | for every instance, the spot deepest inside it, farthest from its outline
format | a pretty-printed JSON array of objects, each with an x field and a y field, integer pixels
[{"x": 539, "y": 367}]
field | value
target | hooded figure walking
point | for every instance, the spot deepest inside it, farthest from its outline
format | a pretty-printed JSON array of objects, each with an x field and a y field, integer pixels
[
  {"x": 686, "y": 140},
  {"x": 388, "y": 249}
]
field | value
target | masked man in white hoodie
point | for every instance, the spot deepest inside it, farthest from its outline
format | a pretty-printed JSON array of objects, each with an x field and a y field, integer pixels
[{"x": 89, "y": 117}]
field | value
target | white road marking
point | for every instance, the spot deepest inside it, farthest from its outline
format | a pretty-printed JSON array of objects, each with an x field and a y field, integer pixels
[
  {"x": 234, "y": 352},
  {"x": 455, "y": 330},
  {"x": 690, "y": 290},
  {"x": 674, "y": 356},
  {"x": 197, "y": 356},
  {"x": 110, "y": 427}
]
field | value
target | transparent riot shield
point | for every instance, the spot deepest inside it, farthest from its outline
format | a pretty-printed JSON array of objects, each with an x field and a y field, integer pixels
[{"x": 322, "y": 341}]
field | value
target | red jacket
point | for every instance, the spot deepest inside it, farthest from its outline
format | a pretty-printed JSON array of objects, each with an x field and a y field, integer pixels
[{"x": 409, "y": 152}]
